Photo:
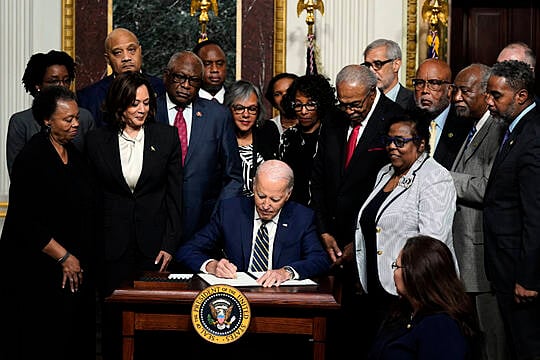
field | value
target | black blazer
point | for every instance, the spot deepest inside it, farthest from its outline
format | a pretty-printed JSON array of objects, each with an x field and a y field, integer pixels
[
  {"x": 512, "y": 210},
  {"x": 338, "y": 193},
  {"x": 405, "y": 98},
  {"x": 150, "y": 217},
  {"x": 453, "y": 135},
  {"x": 265, "y": 142}
]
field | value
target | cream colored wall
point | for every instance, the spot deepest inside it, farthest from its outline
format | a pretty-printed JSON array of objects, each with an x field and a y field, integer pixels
[{"x": 343, "y": 32}]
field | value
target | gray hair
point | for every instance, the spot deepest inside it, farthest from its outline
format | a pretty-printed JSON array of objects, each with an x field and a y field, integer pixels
[
  {"x": 240, "y": 91},
  {"x": 393, "y": 51},
  {"x": 485, "y": 72},
  {"x": 185, "y": 53},
  {"x": 276, "y": 170},
  {"x": 357, "y": 74}
]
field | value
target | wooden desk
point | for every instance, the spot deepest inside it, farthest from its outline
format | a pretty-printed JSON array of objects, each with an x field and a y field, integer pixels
[{"x": 284, "y": 310}]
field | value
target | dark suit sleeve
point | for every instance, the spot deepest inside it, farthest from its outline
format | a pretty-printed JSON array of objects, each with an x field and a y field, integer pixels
[
  {"x": 528, "y": 269},
  {"x": 174, "y": 196},
  {"x": 230, "y": 161},
  {"x": 194, "y": 252},
  {"x": 317, "y": 184}
]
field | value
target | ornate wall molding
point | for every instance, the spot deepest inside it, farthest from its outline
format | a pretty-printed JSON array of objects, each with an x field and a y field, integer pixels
[
  {"x": 68, "y": 27},
  {"x": 412, "y": 41},
  {"x": 280, "y": 35}
]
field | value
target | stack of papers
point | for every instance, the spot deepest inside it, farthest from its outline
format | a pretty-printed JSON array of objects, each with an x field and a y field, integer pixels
[{"x": 249, "y": 279}]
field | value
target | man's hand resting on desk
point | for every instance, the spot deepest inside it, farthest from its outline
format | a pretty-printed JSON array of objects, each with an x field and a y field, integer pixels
[
  {"x": 222, "y": 268},
  {"x": 274, "y": 277}
]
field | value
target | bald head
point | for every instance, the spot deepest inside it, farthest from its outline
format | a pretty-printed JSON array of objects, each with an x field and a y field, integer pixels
[
  {"x": 123, "y": 51},
  {"x": 432, "y": 87},
  {"x": 276, "y": 170},
  {"x": 518, "y": 51},
  {"x": 468, "y": 96}
]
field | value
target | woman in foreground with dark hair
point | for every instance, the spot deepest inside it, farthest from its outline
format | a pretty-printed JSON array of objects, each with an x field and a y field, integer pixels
[
  {"x": 434, "y": 318},
  {"x": 137, "y": 164}
]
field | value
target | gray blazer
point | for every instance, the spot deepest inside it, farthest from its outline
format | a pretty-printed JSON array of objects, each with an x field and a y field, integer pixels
[
  {"x": 470, "y": 172},
  {"x": 423, "y": 203}
]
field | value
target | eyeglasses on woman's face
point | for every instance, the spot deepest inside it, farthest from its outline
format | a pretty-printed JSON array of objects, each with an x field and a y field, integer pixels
[
  {"x": 239, "y": 109},
  {"x": 395, "y": 266},
  {"x": 310, "y": 106},
  {"x": 397, "y": 140}
]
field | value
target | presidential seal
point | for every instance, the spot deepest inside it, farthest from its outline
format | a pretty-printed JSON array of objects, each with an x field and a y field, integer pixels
[{"x": 220, "y": 314}]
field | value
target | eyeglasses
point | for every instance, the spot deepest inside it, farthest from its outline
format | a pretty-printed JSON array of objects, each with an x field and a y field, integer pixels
[
  {"x": 354, "y": 106},
  {"x": 377, "y": 64},
  {"x": 239, "y": 109},
  {"x": 181, "y": 78},
  {"x": 432, "y": 84},
  {"x": 58, "y": 82},
  {"x": 395, "y": 266},
  {"x": 398, "y": 141},
  {"x": 310, "y": 106}
]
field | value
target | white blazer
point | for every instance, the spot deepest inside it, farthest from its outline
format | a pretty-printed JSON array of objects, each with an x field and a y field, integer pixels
[{"x": 423, "y": 203}]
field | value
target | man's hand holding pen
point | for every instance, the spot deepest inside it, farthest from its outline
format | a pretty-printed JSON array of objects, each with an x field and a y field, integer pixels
[{"x": 222, "y": 268}]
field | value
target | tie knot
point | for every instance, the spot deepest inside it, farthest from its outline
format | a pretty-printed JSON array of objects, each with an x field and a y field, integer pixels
[{"x": 179, "y": 108}]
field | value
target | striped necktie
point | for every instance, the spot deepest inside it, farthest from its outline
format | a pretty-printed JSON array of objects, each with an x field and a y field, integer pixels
[{"x": 261, "y": 249}]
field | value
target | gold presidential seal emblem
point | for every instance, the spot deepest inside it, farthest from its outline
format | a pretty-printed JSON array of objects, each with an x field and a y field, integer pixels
[{"x": 220, "y": 314}]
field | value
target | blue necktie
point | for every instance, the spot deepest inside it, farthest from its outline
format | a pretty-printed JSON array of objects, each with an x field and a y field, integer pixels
[
  {"x": 260, "y": 250},
  {"x": 470, "y": 136},
  {"x": 505, "y": 138}
]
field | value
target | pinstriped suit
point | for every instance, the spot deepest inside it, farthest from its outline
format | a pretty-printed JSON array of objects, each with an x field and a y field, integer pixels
[{"x": 424, "y": 203}]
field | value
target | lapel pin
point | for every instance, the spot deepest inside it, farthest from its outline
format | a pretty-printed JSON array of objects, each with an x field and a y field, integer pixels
[
  {"x": 198, "y": 113},
  {"x": 152, "y": 148},
  {"x": 450, "y": 135},
  {"x": 285, "y": 225},
  {"x": 511, "y": 142}
]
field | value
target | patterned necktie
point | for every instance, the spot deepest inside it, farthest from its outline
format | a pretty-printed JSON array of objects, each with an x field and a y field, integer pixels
[
  {"x": 351, "y": 145},
  {"x": 180, "y": 124},
  {"x": 260, "y": 250},
  {"x": 470, "y": 136},
  {"x": 432, "y": 137}
]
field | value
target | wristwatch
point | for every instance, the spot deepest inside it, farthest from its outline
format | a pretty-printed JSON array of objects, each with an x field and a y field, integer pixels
[{"x": 290, "y": 271}]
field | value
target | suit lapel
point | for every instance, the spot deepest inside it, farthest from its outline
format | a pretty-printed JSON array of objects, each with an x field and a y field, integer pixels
[
  {"x": 246, "y": 229},
  {"x": 198, "y": 128},
  {"x": 111, "y": 157},
  {"x": 281, "y": 232},
  {"x": 147, "y": 162}
]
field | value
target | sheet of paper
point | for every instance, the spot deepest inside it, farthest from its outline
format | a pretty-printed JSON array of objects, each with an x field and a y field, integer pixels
[
  {"x": 242, "y": 279},
  {"x": 258, "y": 274}
]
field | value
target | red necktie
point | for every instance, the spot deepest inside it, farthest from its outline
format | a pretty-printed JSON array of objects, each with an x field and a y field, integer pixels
[
  {"x": 351, "y": 145},
  {"x": 180, "y": 124}
]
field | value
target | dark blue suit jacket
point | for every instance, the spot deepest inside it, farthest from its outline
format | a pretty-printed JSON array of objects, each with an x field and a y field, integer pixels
[
  {"x": 93, "y": 96},
  {"x": 212, "y": 168},
  {"x": 296, "y": 242}
]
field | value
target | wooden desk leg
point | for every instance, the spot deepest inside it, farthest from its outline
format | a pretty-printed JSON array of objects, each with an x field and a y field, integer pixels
[
  {"x": 319, "y": 338},
  {"x": 128, "y": 335}
]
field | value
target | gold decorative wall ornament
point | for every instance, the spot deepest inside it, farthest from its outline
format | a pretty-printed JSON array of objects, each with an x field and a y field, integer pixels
[
  {"x": 435, "y": 13},
  {"x": 204, "y": 7},
  {"x": 310, "y": 6}
]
